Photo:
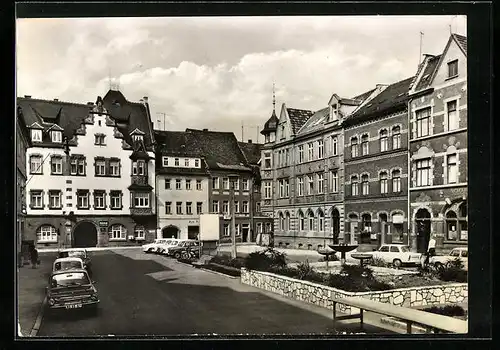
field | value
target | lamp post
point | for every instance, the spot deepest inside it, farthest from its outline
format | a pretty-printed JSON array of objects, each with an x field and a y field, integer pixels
[{"x": 232, "y": 179}]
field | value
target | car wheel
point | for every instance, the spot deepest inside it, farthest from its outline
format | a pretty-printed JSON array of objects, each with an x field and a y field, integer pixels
[
  {"x": 438, "y": 266},
  {"x": 397, "y": 263},
  {"x": 448, "y": 264},
  {"x": 177, "y": 255},
  {"x": 150, "y": 250}
]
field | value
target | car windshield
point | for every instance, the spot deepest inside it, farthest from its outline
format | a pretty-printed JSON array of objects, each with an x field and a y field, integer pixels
[
  {"x": 72, "y": 253},
  {"x": 405, "y": 249},
  {"x": 66, "y": 265},
  {"x": 69, "y": 279}
]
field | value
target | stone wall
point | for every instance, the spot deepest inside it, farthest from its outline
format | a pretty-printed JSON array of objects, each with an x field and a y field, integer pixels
[{"x": 320, "y": 295}]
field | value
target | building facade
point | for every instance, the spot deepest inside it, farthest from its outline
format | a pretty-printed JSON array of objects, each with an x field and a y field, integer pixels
[
  {"x": 91, "y": 172},
  {"x": 438, "y": 148},
  {"x": 376, "y": 163}
]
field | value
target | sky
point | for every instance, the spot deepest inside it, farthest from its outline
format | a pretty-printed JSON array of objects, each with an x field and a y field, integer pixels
[{"x": 218, "y": 72}]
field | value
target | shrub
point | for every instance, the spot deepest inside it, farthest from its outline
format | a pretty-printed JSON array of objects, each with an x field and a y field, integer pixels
[
  {"x": 357, "y": 271},
  {"x": 264, "y": 260},
  {"x": 228, "y": 261},
  {"x": 331, "y": 257},
  {"x": 304, "y": 270},
  {"x": 452, "y": 274},
  {"x": 221, "y": 269},
  {"x": 448, "y": 310},
  {"x": 378, "y": 262},
  {"x": 352, "y": 283}
]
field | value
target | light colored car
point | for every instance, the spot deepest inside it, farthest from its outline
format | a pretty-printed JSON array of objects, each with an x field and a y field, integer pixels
[
  {"x": 445, "y": 260},
  {"x": 177, "y": 251},
  {"x": 77, "y": 253},
  {"x": 397, "y": 255},
  {"x": 163, "y": 247},
  {"x": 151, "y": 247},
  {"x": 67, "y": 264}
]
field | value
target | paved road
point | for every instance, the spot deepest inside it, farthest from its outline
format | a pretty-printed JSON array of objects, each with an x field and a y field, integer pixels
[{"x": 152, "y": 295}]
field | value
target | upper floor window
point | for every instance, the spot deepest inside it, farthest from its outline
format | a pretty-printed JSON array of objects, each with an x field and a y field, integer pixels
[
  {"x": 137, "y": 137},
  {"x": 245, "y": 207},
  {"x": 354, "y": 186},
  {"x": 452, "y": 169},
  {"x": 168, "y": 184},
  {"x": 335, "y": 181},
  {"x": 423, "y": 172},
  {"x": 215, "y": 183},
  {"x": 267, "y": 160},
  {"x": 452, "y": 69},
  {"x": 321, "y": 183},
  {"x": 225, "y": 207},
  {"x": 199, "y": 208},
  {"x": 383, "y": 182},
  {"x": 320, "y": 149},
  {"x": 310, "y": 188},
  {"x": 186, "y": 162},
  {"x": 198, "y": 185},
  {"x": 189, "y": 209},
  {"x": 246, "y": 183},
  {"x": 99, "y": 199},
  {"x": 354, "y": 147},
  {"x": 300, "y": 185},
  {"x": 396, "y": 181},
  {"x": 115, "y": 199},
  {"x": 114, "y": 167},
  {"x": 55, "y": 199},
  {"x": 176, "y": 161},
  {"x": 165, "y": 161},
  {"x": 383, "y": 140},
  {"x": 451, "y": 108},
  {"x": 310, "y": 151},
  {"x": 225, "y": 183},
  {"x": 364, "y": 145},
  {"x": 56, "y": 165},
  {"x": 138, "y": 167},
  {"x": 301, "y": 154},
  {"x": 396, "y": 137},
  {"x": 100, "y": 139},
  {"x": 100, "y": 167},
  {"x": 82, "y": 199},
  {"x": 197, "y": 163},
  {"x": 365, "y": 185},
  {"x": 36, "y": 199},
  {"x": 141, "y": 200},
  {"x": 36, "y": 135},
  {"x": 168, "y": 208},
  {"x": 188, "y": 184},
  {"x": 36, "y": 164},
  {"x": 56, "y": 136},
  {"x": 334, "y": 145},
  {"x": 423, "y": 122},
  {"x": 178, "y": 184},
  {"x": 267, "y": 189}
]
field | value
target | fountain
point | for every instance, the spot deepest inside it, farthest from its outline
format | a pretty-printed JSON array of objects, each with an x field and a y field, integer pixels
[{"x": 343, "y": 248}]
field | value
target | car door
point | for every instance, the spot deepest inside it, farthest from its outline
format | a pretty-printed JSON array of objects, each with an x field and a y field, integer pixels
[
  {"x": 383, "y": 253},
  {"x": 394, "y": 253},
  {"x": 465, "y": 258}
]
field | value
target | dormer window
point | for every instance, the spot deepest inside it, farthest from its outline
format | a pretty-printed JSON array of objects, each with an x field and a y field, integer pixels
[
  {"x": 36, "y": 135},
  {"x": 452, "y": 69},
  {"x": 137, "y": 137},
  {"x": 100, "y": 139},
  {"x": 333, "y": 112},
  {"x": 56, "y": 136}
]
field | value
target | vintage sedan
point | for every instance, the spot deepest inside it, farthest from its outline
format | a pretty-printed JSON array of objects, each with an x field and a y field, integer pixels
[
  {"x": 397, "y": 255},
  {"x": 77, "y": 253},
  {"x": 71, "y": 289},
  {"x": 163, "y": 247},
  {"x": 183, "y": 246},
  {"x": 67, "y": 264},
  {"x": 461, "y": 253},
  {"x": 152, "y": 247}
]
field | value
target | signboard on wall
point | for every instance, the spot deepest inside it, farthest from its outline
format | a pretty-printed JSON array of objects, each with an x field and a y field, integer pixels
[
  {"x": 103, "y": 223},
  {"x": 209, "y": 227}
]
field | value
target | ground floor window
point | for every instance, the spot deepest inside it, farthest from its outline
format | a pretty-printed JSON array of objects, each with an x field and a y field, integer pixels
[
  {"x": 46, "y": 233},
  {"x": 118, "y": 232},
  {"x": 268, "y": 227},
  {"x": 259, "y": 227},
  {"x": 226, "y": 230},
  {"x": 140, "y": 232}
]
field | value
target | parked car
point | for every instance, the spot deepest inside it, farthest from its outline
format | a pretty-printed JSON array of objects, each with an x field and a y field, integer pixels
[
  {"x": 67, "y": 264},
  {"x": 397, "y": 255},
  {"x": 151, "y": 247},
  {"x": 177, "y": 251},
  {"x": 163, "y": 247},
  {"x": 77, "y": 253},
  {"x": 445, "y": 260},
  {"x": 71, "y": 289}
]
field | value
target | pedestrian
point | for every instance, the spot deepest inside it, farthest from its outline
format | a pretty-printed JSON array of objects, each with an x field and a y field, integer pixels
[
  {"x": 34, "y": 257},
  {"x": 431, "y": 250}
]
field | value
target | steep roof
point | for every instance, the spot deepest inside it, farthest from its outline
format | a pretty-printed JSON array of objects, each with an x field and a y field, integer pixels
[
  {"x": 392, "y": 99},
  {"x": 298, "y": 117},
  {"x": 316, "y": 120},
  {"x": 220, "y": 149},
  {"x": 271, "y": 124},
  {"x": 462, "y": 41},
  {"x": 430, "y": 66},
  {"x": 364, "y": 95},
  {"x": 251, "y": 151}
]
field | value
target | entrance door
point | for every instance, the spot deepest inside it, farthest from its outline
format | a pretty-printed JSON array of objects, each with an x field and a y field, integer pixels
[
  {"x": 423, "y": 228},
  {"x": 245, "y": 230},
  {"x": 193, "y": 232},
  {"x": 85, "y": 235},
  {"x": 170, "y": 232},
  {"x": 335, "y": 225}
]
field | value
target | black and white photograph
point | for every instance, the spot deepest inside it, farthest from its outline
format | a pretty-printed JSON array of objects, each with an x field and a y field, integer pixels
[{"x": 242, "y": 175}]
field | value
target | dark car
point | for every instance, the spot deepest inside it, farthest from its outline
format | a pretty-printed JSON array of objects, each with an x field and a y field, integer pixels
[
  {"x": 78, "y": 253},
  {"x": 71, "y": 289},
  {"x": 177, "y": 251}
]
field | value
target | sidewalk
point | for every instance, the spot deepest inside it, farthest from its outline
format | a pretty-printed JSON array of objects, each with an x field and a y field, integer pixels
[
  {"x": 31, "y": 291},
  {"x": 91, "y": 249}
]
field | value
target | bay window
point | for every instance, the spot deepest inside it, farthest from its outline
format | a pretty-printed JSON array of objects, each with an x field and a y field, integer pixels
[{"x": 141, "y": 200}]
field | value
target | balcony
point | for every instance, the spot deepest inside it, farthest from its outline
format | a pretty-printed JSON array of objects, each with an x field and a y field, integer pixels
[
  {"x": 141, "y": 180},
  {"x": 141, "y": 211}
]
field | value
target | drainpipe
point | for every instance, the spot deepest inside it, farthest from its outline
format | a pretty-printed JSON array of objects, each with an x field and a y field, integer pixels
[{"x": 409, "y": 222}]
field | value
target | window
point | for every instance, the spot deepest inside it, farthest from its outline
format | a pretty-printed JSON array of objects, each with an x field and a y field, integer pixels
[
  {"x": 452, "y": 69},
  {"x": 287, "y": 188},
  {"x": 302, "y": 221},
  {"x": 354, "y": 186},
  {"x": 311, "y": 184},
  {"x": 451, "y": 165},
  {"x": 82, "y": 199},
  {"x": 165, "y": 161},
  {"x": 354, "y": 147},
  {"x": 396, "y": 181},
  {"x": 236, "y": 206},
  {"x": 321, "y": 183},
  {"x": 311, "y": 221},
  {"x": 225, "y": 183},
  {"x": 56, "y": 136},
  {"x": 394, "y": 249},
  {"x": 99, "y": 139},
  {"x": 36, "y": 164},
  {"x": 423, "y": 122},
  {"x": 225, "y": 207},
  {"x": 168, "y": 184},
  {"x": 118, "y": 232},
  {"x": 335, "y": 181},
  {"x": 451, "y": 226},
  {"x": 301, "y": 186},
  {"x": 74, "y": 166},
  {"x": 245, "y": 207},
  {"x": 237, "y": 229},
  {"x": 140, "y": 232},
  {"x": 267, "y": 160},
  {"x": 189, "y": 209},
  {"x": 451, "y": 108},
  {"x": 178, "y": 207},
  {"x": 46, "y": 233},
  {"x": 321, "y": 221},
  {"x": 176, "y": 161},
  {"x": 138, "y": 168},
  {"x": 199, "y": 208},
  {"x": 334, "y": 145},
  {"x": 384, "y": 249},
  {"x": 396, "y": 137},
  {"x": 268, "y": 227},
  {"x": 321, "y": 148},
  {"x": 383, "y": 182},
  {"x": 196, "y": 163},
  {"x": 178, "y": 184},
  {"x": 188, "y": 184},
  {"x": 364, "y": 145},
  {"x": 36, "y": 135},
  {"x": 257, "y": 207},
  {"x": 100, "y": 167},
  {"x": 81, "y": 166},
  {"x": 365, "y": 184},
  {"x": 36, "y": 200},
  {"x": 56, "y": 165},
  {"x": 383, "y": 140},
  {"x": 141, "y": 200},
  {"x": 281, "y": 222},
  {"x": 287, "y": 156},
  {"x": 236, "y": 184},
  {"x": 227, "y": 232},
  {"x": 198, "y": 185},
  {"x": 215, "y": 183},
  {"x": 267, "y": 190},
  {"x": 99, "y": 199},
  {"x": 259, "y": 227},
  {"x": 423, "y": 172},
  {"x": 215, "y": 206},
  {"x": 246, "y": 184},
  {"x": 186, "y": 162},
  {"x": 115, "y": 199},
  {"x": 114, "y": 167},
  {"x": 301, "y": 154},
  {"x": 310, "y": 151},
  {"x": 168, "y": 208},
  {"x": 54, "y": 199},
  {"x": 281, "y": 183}
]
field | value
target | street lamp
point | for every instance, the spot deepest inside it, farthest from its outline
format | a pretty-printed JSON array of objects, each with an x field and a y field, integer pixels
[{"x": 232, "y": 179}]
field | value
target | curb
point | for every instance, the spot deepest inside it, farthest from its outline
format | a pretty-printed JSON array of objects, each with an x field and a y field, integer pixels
[
  {"x": 218, "y": 273},
  {"x": 92, "y": 249},
  {"x": 38, "y": 320}
]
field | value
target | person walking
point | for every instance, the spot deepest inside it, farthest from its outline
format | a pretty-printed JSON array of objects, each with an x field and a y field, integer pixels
[
  {"x": 431, "y": 250},
  {"x": 34, "y": 257}
]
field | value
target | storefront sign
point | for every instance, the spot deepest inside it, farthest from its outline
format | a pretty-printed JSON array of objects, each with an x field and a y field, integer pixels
[
  {"x": 397, "y": 219},
  {"x": 196, "y": 222},
  {"x": 103, "y": 223}
]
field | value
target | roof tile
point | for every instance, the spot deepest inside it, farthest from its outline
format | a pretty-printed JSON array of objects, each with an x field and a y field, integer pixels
[{"x": 298, "y": 117}]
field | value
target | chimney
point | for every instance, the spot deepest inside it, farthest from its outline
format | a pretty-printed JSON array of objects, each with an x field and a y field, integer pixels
[
  {"x": 56, "y": 99},
  {"x": 205, "y": 129},
  {"x": 145, "y": 98},
  {"x": 250, "y": 141},
  {"x": 27, "y": 96}
]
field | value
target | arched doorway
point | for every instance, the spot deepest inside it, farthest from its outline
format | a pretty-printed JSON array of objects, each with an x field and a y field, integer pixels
[
  {"x": 423, "y": 229},
  {"x": 335, "y": 225},
  {"x": 170, "y": 232},
  {"x": 85, "y": 235}
]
